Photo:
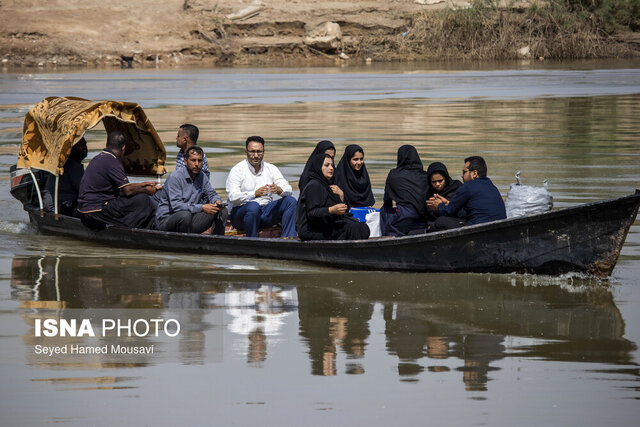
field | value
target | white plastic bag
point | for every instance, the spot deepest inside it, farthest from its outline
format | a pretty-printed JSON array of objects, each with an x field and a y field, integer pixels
[
  {"x": 526, "y": 199},
  {"x": 373, "y": 221}
]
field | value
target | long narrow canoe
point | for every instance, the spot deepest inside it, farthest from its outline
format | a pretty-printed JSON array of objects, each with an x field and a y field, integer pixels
[{"x": 584, "y": 238}]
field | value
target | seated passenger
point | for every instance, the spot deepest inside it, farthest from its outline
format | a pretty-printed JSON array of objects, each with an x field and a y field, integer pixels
[
  {"x": 477, "y": 200},
  {"x": 181, "y": 208},
  {"x": 407, "y": 186},
  {"x": 322, "y": 147},
  {"x": 322, "y": 208},
  {"x": 250, "y": 188},
  {"x": 440, "y": 183},
  {"x": 352, "y": 177},
  {"x": 107, "y": 197},
  {"x": 68, "y": 183}
]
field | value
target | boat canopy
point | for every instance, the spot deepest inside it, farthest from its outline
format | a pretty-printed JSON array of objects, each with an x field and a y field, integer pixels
[{"x": 55, "y": 124}]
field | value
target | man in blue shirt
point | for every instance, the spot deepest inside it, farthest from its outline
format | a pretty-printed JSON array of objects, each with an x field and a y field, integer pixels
[
  {"x": 186, "y": 138},
  {"x": 187, "y": 203},
  {"x": 477, "y": 201}
]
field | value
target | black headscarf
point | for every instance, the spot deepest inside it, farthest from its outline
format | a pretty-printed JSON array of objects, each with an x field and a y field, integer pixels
[
  {"x": 355, "y": 184},
  {"x": 316, "y": 194},
  {"x": 407, "y": 183},
  {"x": 321, "y": 147},
  {"x": 450, "y": 186},
  {"x": 315, "y": 173}
]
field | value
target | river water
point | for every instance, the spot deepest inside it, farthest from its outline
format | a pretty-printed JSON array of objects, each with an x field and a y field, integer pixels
[{"x": 288, "y": 343}]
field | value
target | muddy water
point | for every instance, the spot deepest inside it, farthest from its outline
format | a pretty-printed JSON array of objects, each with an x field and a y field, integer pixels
[{"x": 293, "y": 343}]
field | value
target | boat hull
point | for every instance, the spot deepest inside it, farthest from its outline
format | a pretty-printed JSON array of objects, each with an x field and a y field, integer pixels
[{"x": 585, "y": 238}]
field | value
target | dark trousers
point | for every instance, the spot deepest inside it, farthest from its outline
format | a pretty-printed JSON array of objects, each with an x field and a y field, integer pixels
[
  {"x": 186, "y": 222},
  {"x": 447, "y": 223},
  {"x": 251, "y": 217},
  {"x": 400, "y": 221},
  {"x": 128, "y": 212}
]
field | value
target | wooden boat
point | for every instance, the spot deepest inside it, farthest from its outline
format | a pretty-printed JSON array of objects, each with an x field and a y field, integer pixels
[{"x": 584, "y": 238}]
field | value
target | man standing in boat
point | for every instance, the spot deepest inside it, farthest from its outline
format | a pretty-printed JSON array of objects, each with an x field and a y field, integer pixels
[
  {"x": 475, "y": 202},
  {"x": 181, "y": 206},
  {"x": 107, "y": 197},
  {"x": 251, "y": 185},
  {"x": 188, "y": 137}
]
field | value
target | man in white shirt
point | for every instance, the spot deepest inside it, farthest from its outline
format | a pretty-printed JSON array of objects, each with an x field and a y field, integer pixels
[{"x": 250, "y": 188}]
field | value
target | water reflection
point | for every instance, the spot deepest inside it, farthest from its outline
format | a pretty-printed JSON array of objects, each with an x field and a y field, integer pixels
[
  {"x": 329, "y": 322},
  {"x": 417, "y": 341},
  {"x": 432, "y": 323},
  {"x": 258, "y": 312}
]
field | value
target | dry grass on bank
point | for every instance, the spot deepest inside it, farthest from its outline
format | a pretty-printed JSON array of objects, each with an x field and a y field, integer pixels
[{"x": 482, "y": 32}]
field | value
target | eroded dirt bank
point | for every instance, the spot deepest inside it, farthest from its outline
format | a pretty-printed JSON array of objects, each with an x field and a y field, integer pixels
[{"x": 167, "y": 33}]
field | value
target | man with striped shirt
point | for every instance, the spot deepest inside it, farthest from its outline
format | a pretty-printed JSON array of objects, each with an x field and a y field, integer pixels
[{"x": 188, "y": 137}]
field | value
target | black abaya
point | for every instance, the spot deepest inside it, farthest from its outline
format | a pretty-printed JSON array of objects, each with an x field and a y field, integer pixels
[{"x": 313, "y": 220}]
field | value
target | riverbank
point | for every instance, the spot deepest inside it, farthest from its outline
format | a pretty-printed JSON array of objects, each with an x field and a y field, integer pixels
[{"x": 170, "y": 33}]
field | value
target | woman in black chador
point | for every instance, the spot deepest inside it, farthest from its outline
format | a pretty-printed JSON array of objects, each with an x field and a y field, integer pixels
[
  {"x": 440, "y": 183},
  {"x": 352, "y": 177},
  {"x": 321, "y": 208},
  {"x": 322, "y": 147},
  {"x": 406, "y": 185}
]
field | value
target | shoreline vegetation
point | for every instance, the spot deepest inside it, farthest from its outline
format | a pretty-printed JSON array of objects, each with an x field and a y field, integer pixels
[
  {"x": 173, "y": 33},
  {"x": 559, "y": 29}
]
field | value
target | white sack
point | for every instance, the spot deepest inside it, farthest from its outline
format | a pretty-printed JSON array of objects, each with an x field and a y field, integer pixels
[
  {"x": 527, "y": 199},
  {"x": 373, "y": 221}
]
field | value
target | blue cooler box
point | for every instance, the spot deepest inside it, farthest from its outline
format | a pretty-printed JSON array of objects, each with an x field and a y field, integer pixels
[{"x": 361, "y": 213}]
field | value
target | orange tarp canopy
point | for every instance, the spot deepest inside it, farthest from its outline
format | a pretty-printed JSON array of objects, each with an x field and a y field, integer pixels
[{"x": 56, "y": 123}]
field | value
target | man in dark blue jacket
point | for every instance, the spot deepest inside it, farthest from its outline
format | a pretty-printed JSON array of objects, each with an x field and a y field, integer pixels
[{"x": 477, "y": 201}]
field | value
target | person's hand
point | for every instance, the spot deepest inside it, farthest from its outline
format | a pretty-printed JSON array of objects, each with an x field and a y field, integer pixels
[
  {"x": 441, "y": 199},
  {"x": 338, "y": 191},
  {"x": 211, "y": 209},
  {"x": 432, "y": 203},
  {"x": 262, "y": 191},
  {"x": 275, "y": 189},
  {"x": 339, "y": 209},
  {"x": 150, "y": 188},
  {"x": 435, "y": 201}
]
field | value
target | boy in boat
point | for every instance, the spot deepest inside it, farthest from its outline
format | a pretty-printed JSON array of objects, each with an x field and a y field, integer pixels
[
  {"x": 475, "y": 202},
  {"x": 107, "y": 197},
  {"x": 181, "y": 206},
  {"x": 250, "y": 188}
]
